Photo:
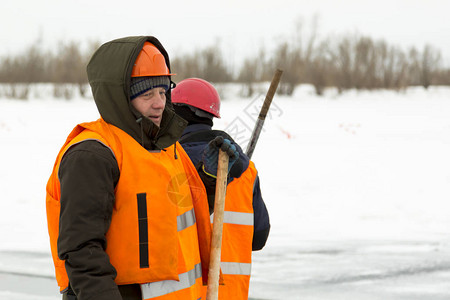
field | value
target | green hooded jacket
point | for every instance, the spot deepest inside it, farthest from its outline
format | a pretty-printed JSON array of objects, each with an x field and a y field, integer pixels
[{"x": 109, "y": 74}]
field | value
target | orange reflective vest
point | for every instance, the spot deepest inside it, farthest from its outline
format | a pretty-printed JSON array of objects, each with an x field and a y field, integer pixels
[
  {"x": 160, "y": 229},
  {"x": 237, "y": 237}
]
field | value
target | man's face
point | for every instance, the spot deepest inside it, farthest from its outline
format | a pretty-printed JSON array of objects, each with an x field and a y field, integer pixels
[{"x": 151, "y": 104}]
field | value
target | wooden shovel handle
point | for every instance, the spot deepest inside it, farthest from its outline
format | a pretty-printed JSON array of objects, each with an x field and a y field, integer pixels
[{"x": 212, "y": 291}]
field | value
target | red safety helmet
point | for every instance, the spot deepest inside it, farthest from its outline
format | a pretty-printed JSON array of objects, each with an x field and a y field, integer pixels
[
  {"x": 150, "y": 62},
  {"x": 198, "y": 93}
]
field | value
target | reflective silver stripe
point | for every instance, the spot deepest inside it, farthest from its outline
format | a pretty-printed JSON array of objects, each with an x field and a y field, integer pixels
[
  {"x": 233, "y": 268},
  {"x": 232, "y": 217},
  {"x": 156, "y": 289},
  {"x": 185, "y": 220}
]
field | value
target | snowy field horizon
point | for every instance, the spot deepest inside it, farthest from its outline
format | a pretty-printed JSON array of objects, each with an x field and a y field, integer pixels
[{"x": 356, "y": 184}]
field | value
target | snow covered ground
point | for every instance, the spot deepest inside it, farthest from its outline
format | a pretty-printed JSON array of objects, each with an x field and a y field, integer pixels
[{"x": 357, "y": 186}]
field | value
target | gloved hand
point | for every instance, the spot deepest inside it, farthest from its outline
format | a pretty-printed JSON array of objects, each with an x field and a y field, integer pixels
[{"x": 210, "y": 155}]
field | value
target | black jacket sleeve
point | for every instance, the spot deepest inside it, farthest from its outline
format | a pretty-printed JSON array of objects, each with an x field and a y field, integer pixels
[
  {"x": 88, "y": 174},
  {"x": 260, "y": 218}
]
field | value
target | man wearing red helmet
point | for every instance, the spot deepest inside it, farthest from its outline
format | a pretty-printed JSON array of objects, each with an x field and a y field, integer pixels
[
  {"x": 127, "y": 211},
  {"x": 246, "y": 220}
]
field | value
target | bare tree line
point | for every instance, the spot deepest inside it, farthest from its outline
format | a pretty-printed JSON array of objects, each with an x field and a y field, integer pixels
[
  {"x": 346, "y": 62},
  {"x": 66, "y": 65}
]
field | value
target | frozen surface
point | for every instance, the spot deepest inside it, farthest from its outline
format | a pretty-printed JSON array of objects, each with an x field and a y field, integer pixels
[{"x": 357, "y": 186}]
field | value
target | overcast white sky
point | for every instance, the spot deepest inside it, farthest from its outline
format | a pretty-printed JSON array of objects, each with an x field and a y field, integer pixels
[{"x": 240, "y": 26}]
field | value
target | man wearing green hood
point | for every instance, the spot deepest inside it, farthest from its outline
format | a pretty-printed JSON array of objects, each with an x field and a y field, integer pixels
[{"x": 127, "y": 211}]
